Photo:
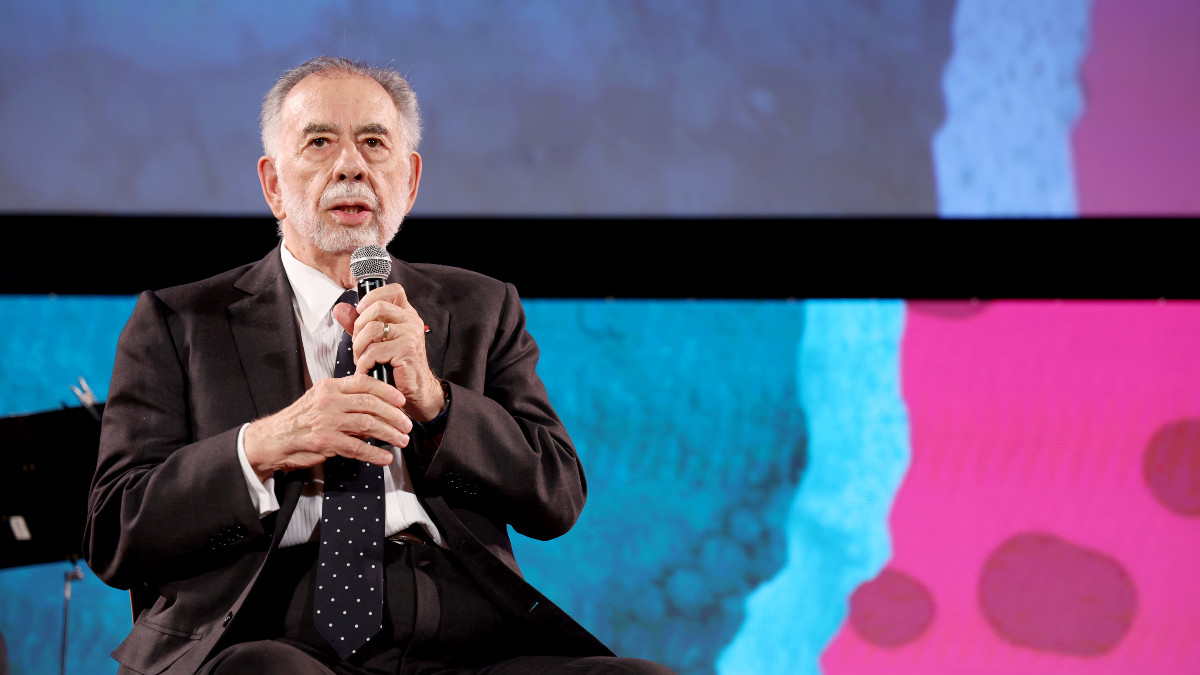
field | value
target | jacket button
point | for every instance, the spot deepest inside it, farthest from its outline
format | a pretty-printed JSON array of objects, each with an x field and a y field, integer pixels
[{"x": 228, "y": 618}]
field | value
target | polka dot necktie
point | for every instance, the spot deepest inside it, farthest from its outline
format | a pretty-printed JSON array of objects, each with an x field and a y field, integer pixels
[{"x": 348, "y": 599}]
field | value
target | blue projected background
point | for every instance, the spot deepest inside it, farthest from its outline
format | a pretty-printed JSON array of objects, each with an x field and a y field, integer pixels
[
  {"x": 531, "y": 107},
  {"x": 662, "y": 108}
]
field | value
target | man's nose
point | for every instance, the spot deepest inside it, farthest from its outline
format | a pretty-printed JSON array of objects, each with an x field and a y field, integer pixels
[{"x": 350, "y": 165}]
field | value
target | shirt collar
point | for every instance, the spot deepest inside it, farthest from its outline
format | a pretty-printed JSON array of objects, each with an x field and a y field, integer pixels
[{"x": 315, "y": 293}]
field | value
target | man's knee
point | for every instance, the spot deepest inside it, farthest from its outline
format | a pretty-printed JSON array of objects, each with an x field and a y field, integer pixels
[
  {"x": 568, "y": 665},
  {"x": 264, "y": 657},
  {"x": 639, "y": 667}
]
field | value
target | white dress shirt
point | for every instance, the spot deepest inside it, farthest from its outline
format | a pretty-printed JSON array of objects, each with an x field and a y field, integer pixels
[{"x": 313, "y": 298}]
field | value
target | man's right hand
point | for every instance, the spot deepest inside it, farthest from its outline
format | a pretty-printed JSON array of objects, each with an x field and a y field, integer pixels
[{"x": 332, "y": 418}]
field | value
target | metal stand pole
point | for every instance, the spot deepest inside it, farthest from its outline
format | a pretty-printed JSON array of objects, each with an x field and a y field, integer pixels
[{"x": 74, "y": 575}]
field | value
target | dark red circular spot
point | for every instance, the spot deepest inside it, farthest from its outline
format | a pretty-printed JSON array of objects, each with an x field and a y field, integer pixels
[
  {"x": 891, "y": 610},
  {"x": 1172, "y": 466},
  {"x": 1043, "y": 592},
  {"x": 948, "y": 309}
]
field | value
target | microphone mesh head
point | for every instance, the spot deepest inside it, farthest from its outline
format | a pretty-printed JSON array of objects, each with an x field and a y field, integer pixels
[{"x": 370, "y": 262}]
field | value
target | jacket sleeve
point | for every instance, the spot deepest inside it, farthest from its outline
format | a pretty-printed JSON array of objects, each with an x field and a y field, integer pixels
[
  {"x": 163, "y": 503},
  {"x": 504, "y": 452}
]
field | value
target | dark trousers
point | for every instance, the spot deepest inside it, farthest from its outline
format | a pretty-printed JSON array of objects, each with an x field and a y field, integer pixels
[{"x": 436, "y": 620}]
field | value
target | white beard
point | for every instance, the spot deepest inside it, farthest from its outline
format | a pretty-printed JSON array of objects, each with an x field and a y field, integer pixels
[{"x": 336, "y": 239}]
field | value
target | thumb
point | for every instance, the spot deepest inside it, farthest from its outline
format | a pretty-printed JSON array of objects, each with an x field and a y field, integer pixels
[{"x": 345, "y": 314}]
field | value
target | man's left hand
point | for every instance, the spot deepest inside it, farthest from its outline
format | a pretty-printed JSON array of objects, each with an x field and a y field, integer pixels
[{"x": 387, "y": 329}]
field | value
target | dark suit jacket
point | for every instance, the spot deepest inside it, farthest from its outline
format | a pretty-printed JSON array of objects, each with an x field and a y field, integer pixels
[{"x": 170, "y": 516}]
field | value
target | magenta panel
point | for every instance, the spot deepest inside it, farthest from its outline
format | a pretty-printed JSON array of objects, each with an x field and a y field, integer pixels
[{"x": 1048, "y": 522}]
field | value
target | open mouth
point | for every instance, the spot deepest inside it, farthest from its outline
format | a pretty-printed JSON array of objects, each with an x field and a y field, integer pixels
[{"x": 350, "y": 208}]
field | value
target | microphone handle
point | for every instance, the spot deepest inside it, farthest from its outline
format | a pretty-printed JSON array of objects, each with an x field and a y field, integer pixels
[{"x": 380, "y": 371}]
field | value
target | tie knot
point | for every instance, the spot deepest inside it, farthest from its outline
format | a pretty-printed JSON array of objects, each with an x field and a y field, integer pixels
[{"x": 350, "y": 296}]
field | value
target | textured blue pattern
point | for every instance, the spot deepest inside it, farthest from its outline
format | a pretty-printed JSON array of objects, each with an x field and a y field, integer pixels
[
  {"x": 685, "y": 416},
  {"x": 31, "y": 602},
  {"x": 837, "y": 535},
  {"x": 50, "y": 342}
]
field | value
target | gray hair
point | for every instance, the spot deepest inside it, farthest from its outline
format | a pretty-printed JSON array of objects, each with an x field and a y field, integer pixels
[{"x": 391, "y": 81}]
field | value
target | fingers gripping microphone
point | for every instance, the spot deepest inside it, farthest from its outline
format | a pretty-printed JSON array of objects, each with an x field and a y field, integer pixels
[{"x": 370, "y": 266}]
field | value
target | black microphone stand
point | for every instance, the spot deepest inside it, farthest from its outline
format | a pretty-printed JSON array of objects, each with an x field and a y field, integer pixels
[{"x": 74, "y": 575}]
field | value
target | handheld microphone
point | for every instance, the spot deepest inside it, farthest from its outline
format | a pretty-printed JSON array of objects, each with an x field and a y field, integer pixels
[{"x": 370, "y": 266}]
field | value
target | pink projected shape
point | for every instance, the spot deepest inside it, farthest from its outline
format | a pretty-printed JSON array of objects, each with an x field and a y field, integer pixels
[{"x": 1027, "y": 514}]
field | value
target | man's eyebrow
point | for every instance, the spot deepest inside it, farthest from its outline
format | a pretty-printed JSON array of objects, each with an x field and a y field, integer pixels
[
  {"x": 374, "y": 128},
  {"x": 319, "y": 128}
]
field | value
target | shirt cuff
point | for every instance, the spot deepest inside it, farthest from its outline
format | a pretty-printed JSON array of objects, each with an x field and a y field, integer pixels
[
  {"x": 262, "y": 493},
  {"x": 436, "y": 425}
]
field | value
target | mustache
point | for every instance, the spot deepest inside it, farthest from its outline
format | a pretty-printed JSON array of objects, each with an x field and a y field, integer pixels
[{"x": 358, "y": 192}]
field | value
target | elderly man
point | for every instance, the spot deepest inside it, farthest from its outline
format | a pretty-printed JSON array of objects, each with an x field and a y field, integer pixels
[{"x": 237, "y": 448}]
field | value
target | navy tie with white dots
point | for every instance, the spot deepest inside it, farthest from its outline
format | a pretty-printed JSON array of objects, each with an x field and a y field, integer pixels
[{"x": 348, "y": 599}]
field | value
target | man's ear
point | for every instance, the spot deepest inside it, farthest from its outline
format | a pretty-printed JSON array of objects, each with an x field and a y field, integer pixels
[
  {"x": 414, "y": 179},
  {"x": 270, "y": 186}
]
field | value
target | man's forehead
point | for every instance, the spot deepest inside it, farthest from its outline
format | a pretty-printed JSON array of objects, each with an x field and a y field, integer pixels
[{"x": 345, "y": 95}]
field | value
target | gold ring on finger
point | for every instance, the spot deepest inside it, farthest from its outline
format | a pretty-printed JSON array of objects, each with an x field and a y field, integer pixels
[{"x": 386, "y": 327}]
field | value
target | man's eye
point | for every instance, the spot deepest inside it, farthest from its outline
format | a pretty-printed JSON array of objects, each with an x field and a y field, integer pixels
[
  {"x": 318, "y": 142},
  {"x": 372, "y": 142}
]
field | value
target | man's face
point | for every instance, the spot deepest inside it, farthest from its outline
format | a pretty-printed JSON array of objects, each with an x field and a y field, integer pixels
[{"x": 341, "y": 177}]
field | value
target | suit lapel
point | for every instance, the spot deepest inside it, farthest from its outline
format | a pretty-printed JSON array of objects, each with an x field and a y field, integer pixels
[
  {"x": 420, "y": 289},
  {"x": 264, "y": 330},
  {"x": 263, "y": 324}
]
